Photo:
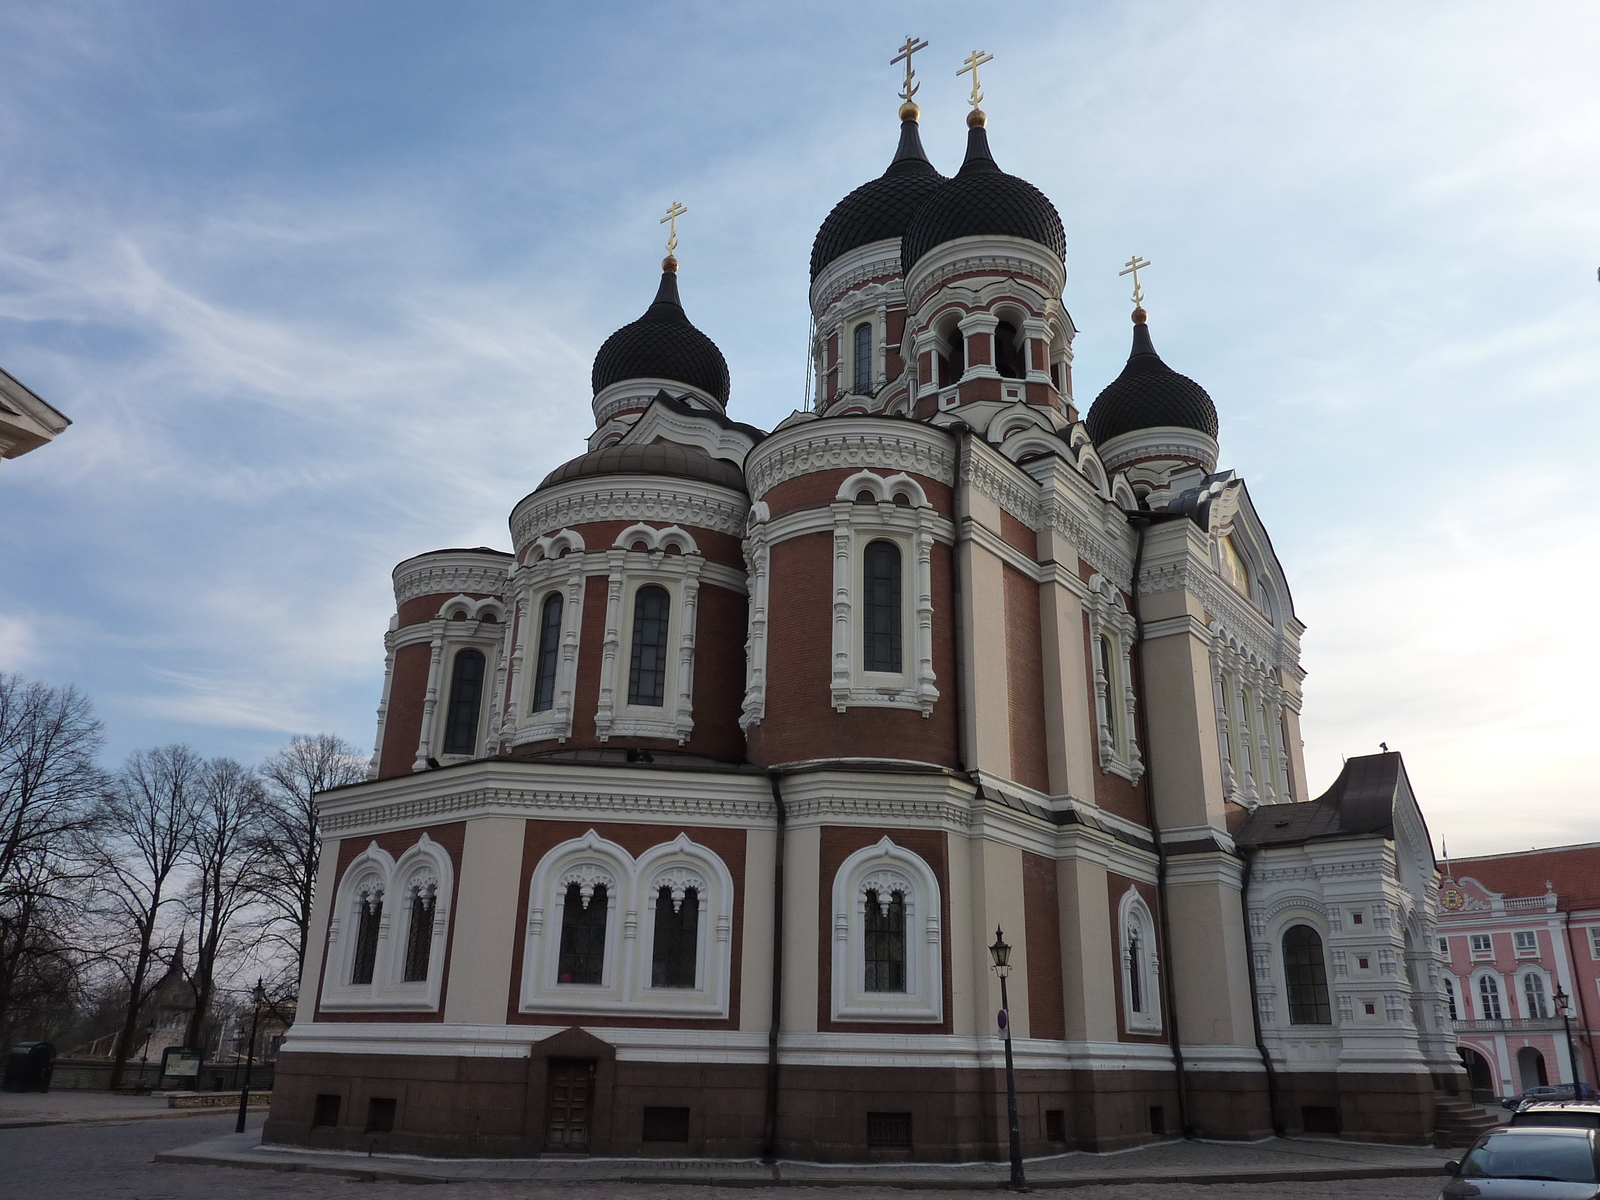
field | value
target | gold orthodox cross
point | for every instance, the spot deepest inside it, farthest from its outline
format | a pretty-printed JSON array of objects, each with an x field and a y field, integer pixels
[
  {"x": 973, "y": 61},
  {"x": 1135, "y": 265},
  {"x": 911, "y": 47},
  {"x": 677, "y": 210}
]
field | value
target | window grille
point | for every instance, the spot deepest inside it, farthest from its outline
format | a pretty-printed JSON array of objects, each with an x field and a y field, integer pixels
[
  {"x": 366, "y": 955},
  {"x": 863, "y": 358},
  {"x": 1444, "y": 947},
  {"x": 674, "y": 954},
  {"x": 1306, "y": 975},
  {"x": 886, "y": 942},
  {"x": 466, "y": 690},
  {"x": 881, "y": 628},
  {"x": 889, "y": 1130},
  {"x": 1594, "y": 941},
  {"x": 1110, "y": 704},
  {"x": 1489, "y": 998},
  {"x": 544, "y": 680},
  {"x": 1450, "y": 999},
  {"x": 583, "y": 936},
  {"x": 1482, "y": 947},
  {"x": 1533, "y": 996},
  {"x": 1135, "y": 972},
  {"x": 647, "y": 676},
  {"x": 1526, "y": 943},
  {"x": 419, "y": 937}
]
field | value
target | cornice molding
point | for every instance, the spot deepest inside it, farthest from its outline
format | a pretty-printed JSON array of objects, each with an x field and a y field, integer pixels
[
  {"x": 665, "y": 500},
  {"x": 875, "y": 260},
  {"x": 450, "y": 576},
  {"x": 845, "y": 442},
  {"x": 992, "y": 254}
]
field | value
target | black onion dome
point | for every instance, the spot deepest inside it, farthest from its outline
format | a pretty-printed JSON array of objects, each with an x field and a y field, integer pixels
[
  {"x": 982, "y": 200},
  {"x": 880, "y": 209},
  {"x": 1148, "y": 394},
  {"x": 657, "y": 458},
  {"x": 662, "y": 345}
]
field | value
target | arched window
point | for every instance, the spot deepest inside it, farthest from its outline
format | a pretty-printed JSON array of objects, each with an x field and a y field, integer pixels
[
  {"x": 886, "y": 942},
  {"x": 419, "y": 936},
  {"x": 1488, "y": 998},
  {"x": 369, "y": 917},
  {"x": 863, "y": 358},
  {"x": 1107, "y": 661},
  {"x": 1306, "y": 976},
  {"x": 544, "y": 678},
  {"x": 1450, "y": 999},
  {"x": 1533, "y": 996},
  {"x": 953, "y": 365},
  {"x": 676, "y": 948},
  {"x": 583, "y": 936},
  {"x": 881, "y": 588},
  {"x": 1007, "y": 354},
  {"x": 466, "y": 692},
  {"x": 1135, "y": 972},
  {"x": 647, "y": 676}
]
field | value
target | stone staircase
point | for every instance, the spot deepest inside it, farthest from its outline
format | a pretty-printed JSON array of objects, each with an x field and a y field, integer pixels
[{"x": 1459, "y": 1122}]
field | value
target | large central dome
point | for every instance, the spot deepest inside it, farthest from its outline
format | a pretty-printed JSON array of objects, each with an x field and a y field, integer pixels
[
  {"x": 881, "y": 209},
  {"x": 662, "y": 344},
  {"x": 982, "y": 201}
]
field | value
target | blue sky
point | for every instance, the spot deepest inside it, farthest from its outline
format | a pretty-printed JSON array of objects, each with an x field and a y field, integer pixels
[{"x": 320, "y": 285}]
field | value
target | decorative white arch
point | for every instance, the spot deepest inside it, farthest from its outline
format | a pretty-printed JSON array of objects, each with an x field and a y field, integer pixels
[
  {"x": 883, "y": 487},
  {"x": 656, "y": 539},
  {"x": 1138, "y": 963},
  {"x": 885, "y": 869}
]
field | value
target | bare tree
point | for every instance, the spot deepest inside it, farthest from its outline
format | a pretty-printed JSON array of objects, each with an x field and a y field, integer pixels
[
  {"x": 225, "y": 854},
  {"x": 146, "y": 826},
  {"x": 49, "y": 785},
  {"x": 291, "y": 840}
]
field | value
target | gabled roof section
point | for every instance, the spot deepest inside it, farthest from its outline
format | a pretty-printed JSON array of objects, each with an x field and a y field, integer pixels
[
  {"x": 1362, "y": 802},
  {"x": 26, "y": 422},
  {"x": 670, "y": 419}
]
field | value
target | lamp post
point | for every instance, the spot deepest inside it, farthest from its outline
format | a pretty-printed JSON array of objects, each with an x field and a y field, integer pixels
[
  {"x": 258, "y": 996},
  {"x": 1001, "y": 953},
  {"x": 1563, "y": 1004}
]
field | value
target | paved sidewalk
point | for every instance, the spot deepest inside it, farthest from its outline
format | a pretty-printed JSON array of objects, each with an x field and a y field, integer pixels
[
  {"x": 23, "y": 1110},
  {"x": 1275, "y": 1160}
]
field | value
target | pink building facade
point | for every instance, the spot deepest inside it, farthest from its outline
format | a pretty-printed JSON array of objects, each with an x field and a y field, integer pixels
[{"x": 1518, "y": 933}]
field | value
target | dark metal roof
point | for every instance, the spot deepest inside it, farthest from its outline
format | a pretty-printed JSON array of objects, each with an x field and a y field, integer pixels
[
  {"x": 982, "y": 200},
  {"x": 662, "y": 344},
  {"x": 658, "y": 458},
  {"x": 881, "y": 208},
  {"x": 1148, "y": 394},
  {"x": 1360, "y": 802}
]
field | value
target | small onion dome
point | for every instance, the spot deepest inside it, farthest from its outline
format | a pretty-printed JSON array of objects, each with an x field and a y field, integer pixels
[
  {"x": 662, "y": 345},
  {"x": 880, "y": 209},
  {"x": 1149, "y": 394},
  {"x": 657, "y": 458},
  {"x": 982, "y": 200}
]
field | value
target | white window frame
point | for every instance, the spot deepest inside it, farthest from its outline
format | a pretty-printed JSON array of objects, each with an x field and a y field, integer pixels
[
  {"x": 388, "y": 991},
  {"x": 631, "y": 888},
  {"x": 1450, "y": 996},
  {"x": 1528, "y": 949},
  {"x": 1522, "y": 976},
  {"x": 1111, "y": 623},
  {"x": 1133, "y": 914},
  {"x": 1594, "y": 942},
  {"x": 446, "y": 637},
  {"x": 1486, "y": 951},
  {"x": 912, "y": 527},
  {"x": 885, "y": 867},
  {"x": 1477, "y": 994},
  {"x": 555, "y": 564},
  {"x": 1443, "y": 944}
]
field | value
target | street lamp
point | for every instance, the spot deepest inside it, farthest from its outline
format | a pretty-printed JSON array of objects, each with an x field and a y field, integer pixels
[
  {"x": 1563, "y": 1004},
  {"x": 258, "y": 996},
  {"x": 1001, "y": 953}
]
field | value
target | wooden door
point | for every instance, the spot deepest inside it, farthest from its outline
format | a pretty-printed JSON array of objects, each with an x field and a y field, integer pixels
[{"x": 571, "y": 1095}]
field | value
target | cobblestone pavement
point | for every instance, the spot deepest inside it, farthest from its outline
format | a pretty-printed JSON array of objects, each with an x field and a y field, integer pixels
[{"x": 114, "y": 1162}]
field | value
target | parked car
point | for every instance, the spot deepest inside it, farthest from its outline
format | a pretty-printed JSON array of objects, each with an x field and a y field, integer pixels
[
  {"x": 1552, "y": 1092},
  {"x": 1572, "y": 1114},
  {"x": 1529, "y": 1162}
]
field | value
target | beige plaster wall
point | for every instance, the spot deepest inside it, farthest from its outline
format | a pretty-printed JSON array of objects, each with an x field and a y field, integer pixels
[
  {"x": 317, "y": 935},
  {"x": 801, "y": 896},
  {"x": 1069, "y": 726},
  {"x": 1183, "y": 754},
  {"x": 755, "y": 970},
  {"x": 996, "y": 874},
  {"x": 1210, "y": 958},
  {"x": 485, "y": 922},
  {"x": 1086, "y": 952},
  {"x": 986, "y": 705}
]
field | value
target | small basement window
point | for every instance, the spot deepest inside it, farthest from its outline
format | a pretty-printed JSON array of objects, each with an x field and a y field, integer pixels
[
  {"x": 1055, "y": 1125},
  {"x": 889, "y": 1131},
  {"x": 380, "y": 1114},
  {"x": 666, "y": 1124},
  {"x": 326, "y": 1111}
]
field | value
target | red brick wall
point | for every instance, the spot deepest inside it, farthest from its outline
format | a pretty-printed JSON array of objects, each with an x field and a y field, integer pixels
[
  {"x": 396, "y": 843},
  {"x": 1017, "y": 535},
  {"x": 402, "y": 724},
  {"x": 1025, "y": 681},
  {"x": 838, "y": 844},
  {"x": 800, "y": 721},
  {"x": 1047, "y": 1014},
  {"x": 540, "y": 837}
]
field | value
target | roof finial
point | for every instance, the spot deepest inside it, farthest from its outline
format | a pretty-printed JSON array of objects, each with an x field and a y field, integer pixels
[
  {"x": 909, "y": 110},
  {"x": 975, "y": 118},
  {"x": 670, "y": 262},
  {"x": 1134, "y": 266}
]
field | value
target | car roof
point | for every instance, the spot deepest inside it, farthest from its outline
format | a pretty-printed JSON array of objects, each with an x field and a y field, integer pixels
[
  {"x": 1561, "y": 1106},
  {"x": 1540, "y": 1130}
]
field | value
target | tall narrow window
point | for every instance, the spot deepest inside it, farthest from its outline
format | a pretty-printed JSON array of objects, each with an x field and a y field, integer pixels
[
  {"x": 1106, "y": 660},
  {"x": 863, "y": 358},
  {"x": 1135, "y": 972},
  {"x": 886, "y": 942},
  {"x": 1450, "y": 999},
  {"x": 419, "y": 937},
  {"x": 583, "y": 936},
  {"x": 1306, "y": 975},
  {"x": 544, "y": 679},
  {"x": 953, "y": 365},
  {"x": 1488, "y": 998},
  {"x": 1533, "y": 996},
  {"x": 466, "y": 692},
  {"x": 647, "y": 677},
  {"x": 367, "y": 922},
  {"x": 881, "y": 626},
  {"x": 1007, "y": 355},
  {"x": 673, "y": 956}
]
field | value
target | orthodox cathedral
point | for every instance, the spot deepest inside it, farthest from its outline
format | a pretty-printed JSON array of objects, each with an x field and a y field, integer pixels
[{"x": 694, "y": 820}]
